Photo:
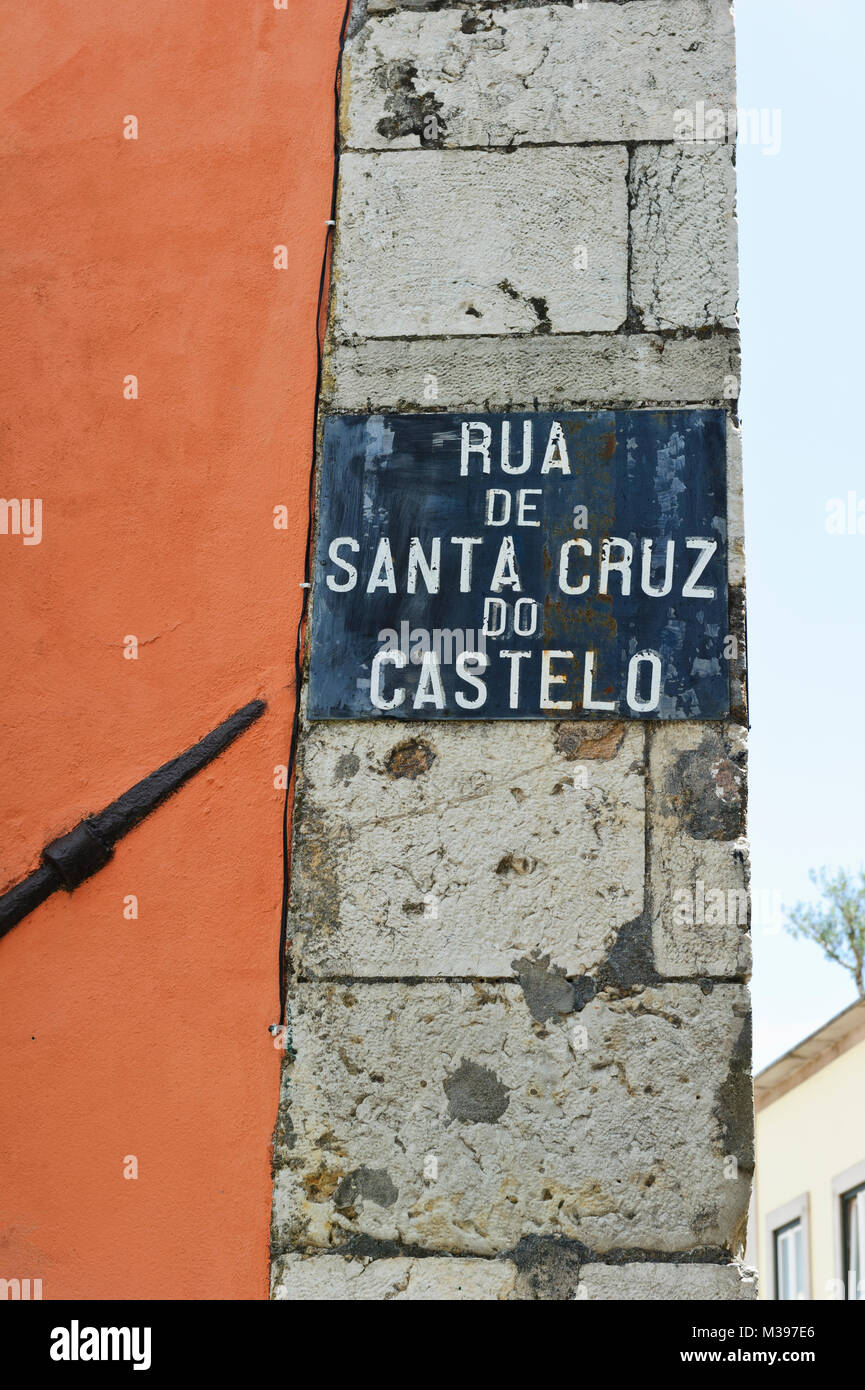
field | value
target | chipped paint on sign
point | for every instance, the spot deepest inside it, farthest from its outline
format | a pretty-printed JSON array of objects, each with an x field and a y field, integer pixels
[{"x": 522, "y": 566}]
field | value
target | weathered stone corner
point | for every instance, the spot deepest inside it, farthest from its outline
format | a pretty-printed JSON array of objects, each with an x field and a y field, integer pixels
[{"x": 519, "y": 1060}]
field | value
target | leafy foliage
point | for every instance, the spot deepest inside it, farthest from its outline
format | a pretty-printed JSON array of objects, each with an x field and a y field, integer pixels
[{"x": 837, "y": 925}]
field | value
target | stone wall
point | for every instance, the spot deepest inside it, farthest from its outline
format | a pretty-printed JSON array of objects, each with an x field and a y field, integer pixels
[{"x": 518, "y": 1067}]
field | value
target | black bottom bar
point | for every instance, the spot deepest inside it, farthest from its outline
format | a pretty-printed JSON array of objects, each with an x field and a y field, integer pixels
[{"x": 279, "y": 1341}]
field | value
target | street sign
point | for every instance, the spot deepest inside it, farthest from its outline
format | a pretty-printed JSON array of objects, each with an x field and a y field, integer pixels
[{"x": 521, "y": 566}]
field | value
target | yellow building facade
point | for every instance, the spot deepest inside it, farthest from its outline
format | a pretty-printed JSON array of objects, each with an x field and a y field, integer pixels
[{"x": 807, "y": 1227}]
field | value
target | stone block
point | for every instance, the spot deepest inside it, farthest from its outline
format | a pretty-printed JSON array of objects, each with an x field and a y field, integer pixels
[
  {"x": 446, "y": 1117},
  {"x": 552, "y": 74},
  {"x": 667, "y": 1282},
  {"x": 334, "y": 1278},
  {"x": 699, "y": 883},
  {"x": 549, "y": 372},
  {"x": 453, "y": 850},
  {"x": 683, "y": 236},
  {"x": 467, "y": 242}
]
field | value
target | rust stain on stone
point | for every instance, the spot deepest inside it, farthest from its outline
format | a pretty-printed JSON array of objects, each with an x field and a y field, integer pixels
[
  {"x": 593, "y": 1199},
  {"x": 705, "y": 789},
  {"x": 321, "y": 1186},
  {"x": 516, "y": 864},
  {"x": 347, "y": 1062},
  {"x": 584, "y": 741},
  {"x": 316, "y": 891},
  {"x": 411, "y": 758},
  {"x": 728, "y": 779}
]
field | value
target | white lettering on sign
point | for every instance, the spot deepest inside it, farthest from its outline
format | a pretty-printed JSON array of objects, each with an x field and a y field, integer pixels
[
  {"x": 382, "y": 575},
  {"x": 564, "y": 560},
  {"x": 499, "y": 503},
  {"x": 498, "y": 507},
  {"x": 476, "y": 445},
  {"x": 589, "y": 585},
  {"x": 351, "y": 571},
  {"x": 589, "y": 701},
  {"x": 429, "y": 569},
  {"x": 471, "y": 693},
  {"x": 465, "y": 661},
  {"x": 646, "y": 572},
  {"x": 499, "y": 566},
  {"x": 622, "y": 566},
  {"x": 515, "y": 658},
  {"x": 508, "y": 466},
  {"x": 505, "y": 574},
  {"x": 707, "y": 549},
  {"x": 556, "y": 455},
  {"x": 548, "y": 679},
  {"x": 435, "y": 570},
  {"x": 467, "y": 543},
  {"x": 376, "y": 694},
  {"x": 653, "y": 661}
]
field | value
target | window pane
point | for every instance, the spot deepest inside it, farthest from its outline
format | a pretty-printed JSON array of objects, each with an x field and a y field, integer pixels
[
  {"x": 798, "y": 1281},
  {"x": 854, "y": 1240},
  {"x": 789, "y": 1268},
  {"x": 857, "y": 1246},
  {"x": 783, "y": 1271}
]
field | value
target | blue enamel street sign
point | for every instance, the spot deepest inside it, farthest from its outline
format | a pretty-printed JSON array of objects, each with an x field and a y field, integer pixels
[{"x": 521, "y": 566}]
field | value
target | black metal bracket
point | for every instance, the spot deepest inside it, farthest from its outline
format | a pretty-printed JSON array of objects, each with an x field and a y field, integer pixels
[{"x": 71, "y": 858}]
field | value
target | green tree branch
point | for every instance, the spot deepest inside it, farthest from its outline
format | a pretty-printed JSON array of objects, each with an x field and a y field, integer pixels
[{"x": 837, "y": 925}]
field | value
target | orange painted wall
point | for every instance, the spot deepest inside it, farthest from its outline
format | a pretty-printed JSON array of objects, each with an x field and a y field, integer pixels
[{"x": 152, "y": 257}]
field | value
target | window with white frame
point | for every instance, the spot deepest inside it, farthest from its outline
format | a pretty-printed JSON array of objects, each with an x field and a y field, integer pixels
[
  {"x": 787, "y": 1256},
  {"x": 848, "y": 1191},
  {"x": 853, "y": 1227},
  {"x": 789, "y": 1261}
]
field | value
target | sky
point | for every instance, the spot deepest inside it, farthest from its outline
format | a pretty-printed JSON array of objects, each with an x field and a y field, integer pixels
[{"x": 802, "y": 259}]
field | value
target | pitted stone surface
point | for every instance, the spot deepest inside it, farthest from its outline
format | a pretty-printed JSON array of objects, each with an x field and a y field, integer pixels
[
  {"x": 389, "y": 6},
  {"x": 549, "y": 75},
  {"x": 670, "y": 1282},
  {"x": 553, "y": 372},
  {"x": 683, "y": 236},
  {"x": 699, "y": 886},
  {"x": 488, "y": 1066},
  {"x": 337, "y": 1278},
  {"x": 332, "y": 1278},
  {"x": 461, "y": 242},
  {"x": 613, "y": 1133},
  {"x": 363, "y": 9},
  {"x": 506, "y": 842}
]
